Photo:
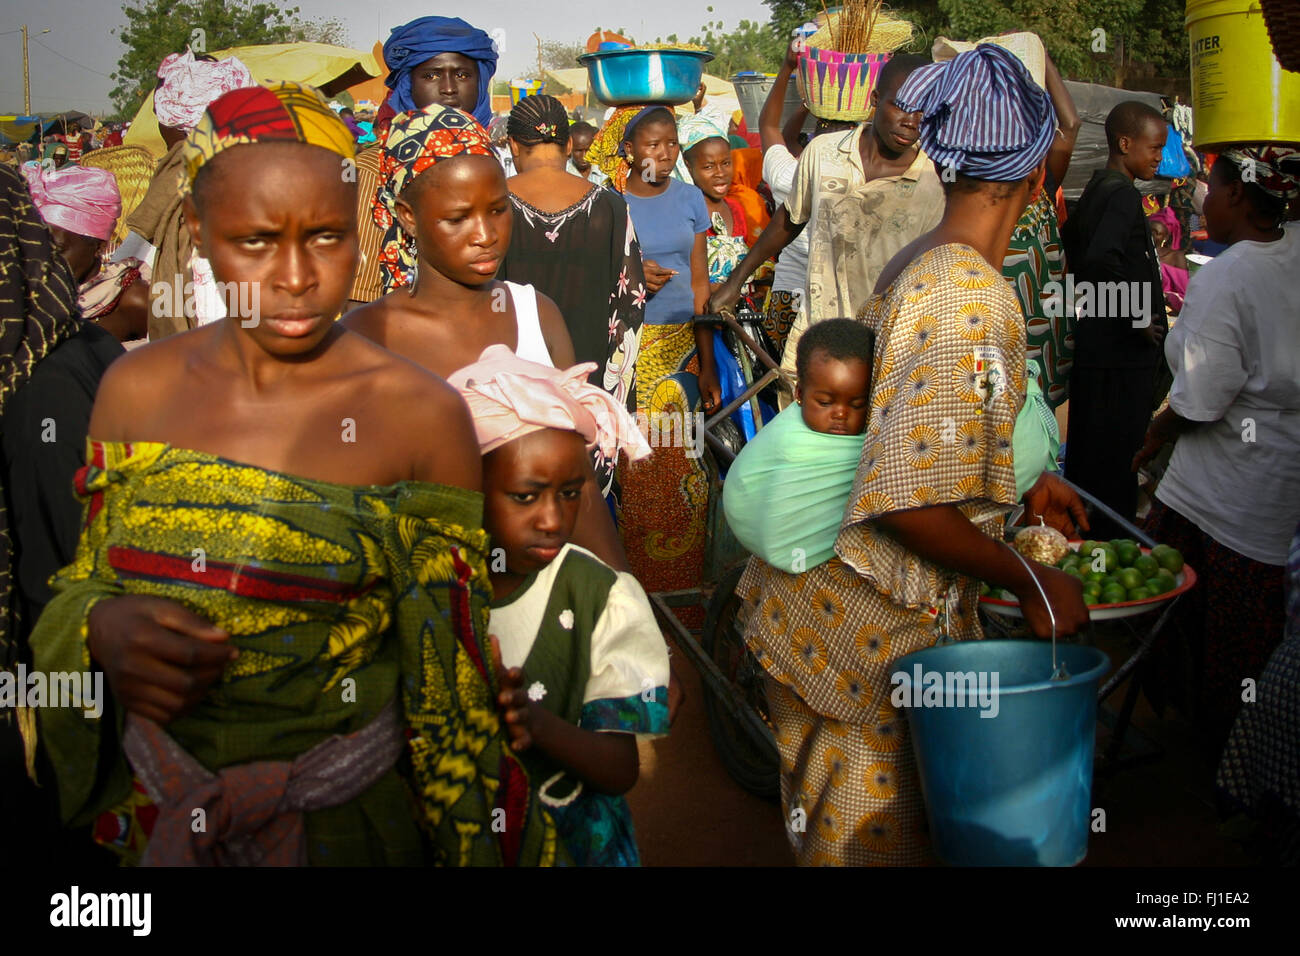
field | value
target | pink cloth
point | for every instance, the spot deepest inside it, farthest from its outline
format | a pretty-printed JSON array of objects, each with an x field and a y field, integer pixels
[
  {"x": 189, "y": 85},
  {"x": 80, "y": 199},
  {"x": 511, "y": 397},
  {"x": 1174, "y": 281}
]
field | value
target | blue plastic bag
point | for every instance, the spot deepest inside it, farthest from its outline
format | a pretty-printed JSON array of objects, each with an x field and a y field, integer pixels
[
  {"x": 1173, "y": 161},
  {"x": 732, "y": 381}
]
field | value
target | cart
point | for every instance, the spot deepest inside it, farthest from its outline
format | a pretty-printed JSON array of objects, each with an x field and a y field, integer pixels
[{"x": 734, "y": 699}]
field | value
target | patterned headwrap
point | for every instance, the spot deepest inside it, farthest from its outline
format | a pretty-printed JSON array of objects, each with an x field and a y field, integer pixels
[
  {"x": 691, "y": 131},
  {"x": 80, "y": 199},
  {"x": 39, "y": 311},
  {"x": 511, "y": 397},
  {"x": 277, "y": 112},
  {"x": 189, "y": 85},
  {"x": 1274, "y": 169},
  {"x": 606, "y": 149},
  {"x": 416, "y": 141},
  {"x": 413, "y": 43},
  {"x": 982, "y": 114}
]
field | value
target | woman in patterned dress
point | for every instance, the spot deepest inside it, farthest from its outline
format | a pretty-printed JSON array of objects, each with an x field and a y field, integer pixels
[
  {"x": 926, "y": 509},
  {"x": 283, "y": 579}
]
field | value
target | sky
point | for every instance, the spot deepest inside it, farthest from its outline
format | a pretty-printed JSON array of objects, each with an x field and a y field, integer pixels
[{"x": 70, "y": 65}]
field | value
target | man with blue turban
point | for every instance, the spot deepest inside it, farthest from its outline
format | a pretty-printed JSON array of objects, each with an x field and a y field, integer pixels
[{"x": 440, "y": 60}]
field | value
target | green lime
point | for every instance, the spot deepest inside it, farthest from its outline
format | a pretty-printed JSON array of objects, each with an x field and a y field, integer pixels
[
  {"x": 1167, "y": 557},
  {"x": 1098, "y": 576},
  {"x": 984, "y": 588},
  {"x": 1161, "y": 582},
  {"x": 1130, "y": 577},
  {"x": 1138, "y": 594},
  {"x": 1104, "y": 555},
  {"x": 1092, "y": 599},
  {"x": 1071, "y": 560},
  {"x": 1077, "y": 572},
  {"x": 1113, "y": 594},
  {"x": 1147, "y": 565},
  {"x": 1128, "y": 554}
]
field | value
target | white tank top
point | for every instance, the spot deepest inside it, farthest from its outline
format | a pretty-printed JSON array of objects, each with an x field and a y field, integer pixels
[{"x": 531, "y": 345}]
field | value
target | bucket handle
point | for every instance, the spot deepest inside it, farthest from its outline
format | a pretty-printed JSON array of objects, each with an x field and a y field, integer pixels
[{"x": 1058, "y": 670}]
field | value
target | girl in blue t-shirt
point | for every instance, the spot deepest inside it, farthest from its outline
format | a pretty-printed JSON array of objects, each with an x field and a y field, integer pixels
[{"x": 665, "y": 500}]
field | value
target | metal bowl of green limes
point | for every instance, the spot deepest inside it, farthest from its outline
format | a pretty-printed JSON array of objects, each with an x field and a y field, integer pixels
[{"x": 1120, "y": 579}]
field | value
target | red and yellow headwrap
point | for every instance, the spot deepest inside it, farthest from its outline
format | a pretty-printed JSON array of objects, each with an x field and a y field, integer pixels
[
  {"x": 415, "y": 141},
  {"x": 281, "y": 111}
]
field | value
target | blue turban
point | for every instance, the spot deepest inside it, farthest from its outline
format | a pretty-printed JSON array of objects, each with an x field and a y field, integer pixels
[
  {"x": 981, "y": 114},
  {"x": 412, "y": 43}
]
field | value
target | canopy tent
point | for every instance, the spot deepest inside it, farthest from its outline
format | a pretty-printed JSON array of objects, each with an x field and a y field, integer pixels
[
  {"x": 18, "y": 129},
  {"x": 372, "y": 88},
  {"x": 331, "y": 69},
  {"x": 717, "y": 91},
  {"x": 59, "y": 122},
  {"x": 575, "y": 80}
]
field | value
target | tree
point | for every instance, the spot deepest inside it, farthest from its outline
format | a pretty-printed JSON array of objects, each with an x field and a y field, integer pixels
[
  {"x": 751, "y": 46},
  {"x": 331, "y": 31},
  {"x": 558, "y": 55},
  {"x": 156, "y": 28},
  {"x": 1101, "y": 40},
  {"x": 1098, "y": 40}
]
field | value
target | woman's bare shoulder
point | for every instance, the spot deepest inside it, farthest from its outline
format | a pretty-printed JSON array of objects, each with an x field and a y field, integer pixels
[{"x": 139, "y": 381}]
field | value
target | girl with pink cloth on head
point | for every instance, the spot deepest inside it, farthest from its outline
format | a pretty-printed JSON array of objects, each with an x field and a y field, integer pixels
[
  {"x": 81, "y": 205},
  {"x": 587, "y": 665},
  {"x": 1167, "y": 234}
]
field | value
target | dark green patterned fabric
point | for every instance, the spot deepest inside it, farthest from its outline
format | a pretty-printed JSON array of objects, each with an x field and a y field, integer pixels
[{"x": 38, "y": 310}]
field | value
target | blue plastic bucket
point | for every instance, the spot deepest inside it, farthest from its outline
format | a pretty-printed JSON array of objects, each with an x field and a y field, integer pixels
[{"x": 1012, "y": 788}]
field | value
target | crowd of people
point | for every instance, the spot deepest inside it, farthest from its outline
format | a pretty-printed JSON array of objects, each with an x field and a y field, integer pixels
[{"x": 360, "y": 536}]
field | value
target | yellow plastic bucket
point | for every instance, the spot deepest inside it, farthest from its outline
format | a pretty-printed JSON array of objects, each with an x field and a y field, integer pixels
[{"x": 1240, "y": 93}]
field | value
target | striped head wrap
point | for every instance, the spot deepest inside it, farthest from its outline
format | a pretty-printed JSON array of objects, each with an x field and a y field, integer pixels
[
  {"x": 510, "y": 397},
  {"x": 416, "y": 141},
  {"x": 1274, "y": 169},
  {"x": 284, "y": 111},
  {"x": 982, "y": 114}
]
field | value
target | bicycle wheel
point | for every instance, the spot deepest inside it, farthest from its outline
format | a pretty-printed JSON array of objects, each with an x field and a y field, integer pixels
[{"x": 750, "y": 759}]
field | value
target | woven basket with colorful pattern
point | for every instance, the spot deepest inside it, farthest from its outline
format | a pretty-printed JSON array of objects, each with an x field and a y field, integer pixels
[{"x": 837, "y": 86}]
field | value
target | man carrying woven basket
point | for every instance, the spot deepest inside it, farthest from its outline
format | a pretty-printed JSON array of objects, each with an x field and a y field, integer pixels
[{"x": 864, "y": 195}]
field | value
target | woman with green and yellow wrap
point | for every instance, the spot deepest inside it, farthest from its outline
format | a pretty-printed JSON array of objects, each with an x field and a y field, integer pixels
[{"x": 282, "y": 579}]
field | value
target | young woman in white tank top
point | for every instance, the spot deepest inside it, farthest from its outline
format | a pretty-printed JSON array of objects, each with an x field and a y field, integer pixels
[{"x": 530, "y": 344}]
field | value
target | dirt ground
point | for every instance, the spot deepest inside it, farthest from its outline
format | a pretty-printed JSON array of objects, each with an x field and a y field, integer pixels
[{"x": 1159, "y": 812}]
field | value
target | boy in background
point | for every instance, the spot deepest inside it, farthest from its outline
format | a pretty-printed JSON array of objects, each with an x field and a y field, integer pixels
[{"x": 1117, "y": 357}]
